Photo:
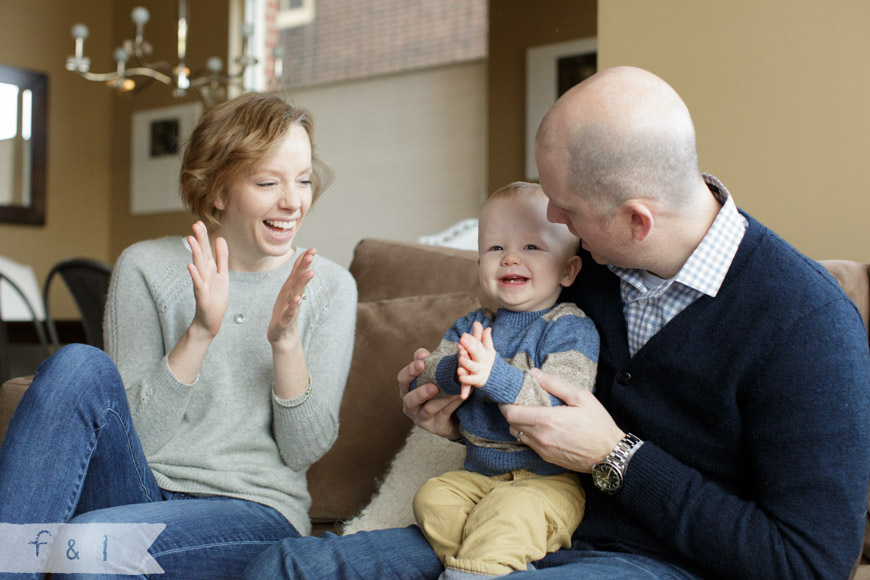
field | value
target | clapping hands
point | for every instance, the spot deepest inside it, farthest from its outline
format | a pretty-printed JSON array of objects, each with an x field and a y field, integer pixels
[
  {"x": 211, "y": 282},
  {"x": 476, "y": 359},
  {"x": 283, "y": 327}
]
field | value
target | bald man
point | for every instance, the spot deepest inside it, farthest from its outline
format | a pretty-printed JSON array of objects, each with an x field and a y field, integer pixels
[{"x": 728, "y": 432}]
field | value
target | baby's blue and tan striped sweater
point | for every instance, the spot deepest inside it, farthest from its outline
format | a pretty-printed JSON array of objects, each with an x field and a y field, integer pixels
[{"x": 560, "y": 340}]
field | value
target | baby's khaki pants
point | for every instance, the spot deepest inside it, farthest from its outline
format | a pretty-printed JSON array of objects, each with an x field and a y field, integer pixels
[{"x": 496, "y": 525}]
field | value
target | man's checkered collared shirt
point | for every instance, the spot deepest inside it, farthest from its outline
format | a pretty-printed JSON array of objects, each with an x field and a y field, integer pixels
[{"x": 649, "y": 302}]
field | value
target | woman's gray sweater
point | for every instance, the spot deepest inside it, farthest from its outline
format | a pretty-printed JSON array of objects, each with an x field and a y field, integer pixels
[{"x": 227, "y": 434}]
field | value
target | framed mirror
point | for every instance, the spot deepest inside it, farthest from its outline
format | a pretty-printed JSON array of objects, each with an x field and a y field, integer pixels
[{"x": 23, "y": 131}]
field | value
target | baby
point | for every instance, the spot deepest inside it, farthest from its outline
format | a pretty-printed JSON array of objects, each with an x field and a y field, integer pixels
[{"x": 509, "y": 507}]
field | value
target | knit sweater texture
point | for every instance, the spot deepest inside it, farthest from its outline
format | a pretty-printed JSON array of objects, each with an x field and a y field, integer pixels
[
  {"x": 754, "y": 406},
  {"x": 227, "y": 434},
  {"x": 560, "y": 340}
]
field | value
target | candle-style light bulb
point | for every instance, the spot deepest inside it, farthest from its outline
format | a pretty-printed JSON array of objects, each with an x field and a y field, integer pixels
[
  {"x": 79, "y": 62},
  {"x": 121, "y": 83},
  {"x": 214, "y": 65},
  {"x": 80, "y": 31},
  {"x": 140, "y": 15}
]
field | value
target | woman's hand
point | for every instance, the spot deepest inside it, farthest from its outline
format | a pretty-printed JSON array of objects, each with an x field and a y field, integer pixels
[
  {"x": 211, "y": 282},
  {"x": 211, "y": 290},
  {"x": 283, "y": 328},
  {"x": 433, "y": 415},
  {"x": 288, "y": 360}
]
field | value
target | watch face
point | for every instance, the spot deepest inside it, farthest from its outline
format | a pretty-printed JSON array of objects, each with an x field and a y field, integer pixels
[{"x": 606, "y": 478}]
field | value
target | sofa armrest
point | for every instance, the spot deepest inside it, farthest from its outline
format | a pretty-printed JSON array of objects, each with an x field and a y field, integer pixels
[{"x": 10, "y": 393}]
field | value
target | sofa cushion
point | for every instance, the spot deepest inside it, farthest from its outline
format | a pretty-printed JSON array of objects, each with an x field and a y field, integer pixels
[
  {"x": 389, "y": 269},
  {"x": 373, "y": 427},
  {"x": 854, "y": 278}
]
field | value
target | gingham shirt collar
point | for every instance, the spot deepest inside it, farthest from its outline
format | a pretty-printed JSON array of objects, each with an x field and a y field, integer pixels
[{"x": 702, "y": 274}]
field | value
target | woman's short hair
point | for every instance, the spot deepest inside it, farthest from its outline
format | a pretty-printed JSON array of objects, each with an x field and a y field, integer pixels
[{"x": 228, "y": 142}]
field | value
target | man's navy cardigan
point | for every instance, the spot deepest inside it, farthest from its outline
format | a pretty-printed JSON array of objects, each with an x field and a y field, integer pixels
[{"x": 755, "y": 409}]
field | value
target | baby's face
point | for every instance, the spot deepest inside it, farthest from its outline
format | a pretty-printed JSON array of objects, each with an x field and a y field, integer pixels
[{"x": 523, "y": 257}]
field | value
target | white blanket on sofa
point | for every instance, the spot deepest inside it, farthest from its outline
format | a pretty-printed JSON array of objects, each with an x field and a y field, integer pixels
[{"x": 423, "y": 456}]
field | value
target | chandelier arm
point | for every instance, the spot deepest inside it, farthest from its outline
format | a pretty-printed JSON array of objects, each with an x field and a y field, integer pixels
[
  {"x": 221, "y": 79},
  {"x": 150, "y": 73},
  {"x": 130, "y": 72}
]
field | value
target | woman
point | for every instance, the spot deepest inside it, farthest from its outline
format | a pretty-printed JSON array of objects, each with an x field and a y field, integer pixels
[{"x": 234, "y": 347}]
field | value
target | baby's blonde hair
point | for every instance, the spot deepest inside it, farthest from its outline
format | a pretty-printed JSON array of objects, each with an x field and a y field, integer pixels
[{"x": 515, "y": 190}]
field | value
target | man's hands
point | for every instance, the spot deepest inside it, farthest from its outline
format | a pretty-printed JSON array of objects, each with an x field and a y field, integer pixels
[
  {"x": 476, "y": 358},
  {"x": 433, "y": 415},
  {"x": 576, "y": 436}
]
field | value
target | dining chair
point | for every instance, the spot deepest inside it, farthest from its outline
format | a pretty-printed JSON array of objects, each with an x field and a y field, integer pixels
[{"x": 88, "y": 282}]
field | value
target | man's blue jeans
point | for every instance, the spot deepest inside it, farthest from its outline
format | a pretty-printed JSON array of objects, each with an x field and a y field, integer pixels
[
  {"x": 403, "y": 554},
  {"x": 71, "y": 454}
]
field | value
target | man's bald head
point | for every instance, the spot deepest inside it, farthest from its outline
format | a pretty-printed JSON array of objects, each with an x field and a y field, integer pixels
[{"x": 623, "y": 134}]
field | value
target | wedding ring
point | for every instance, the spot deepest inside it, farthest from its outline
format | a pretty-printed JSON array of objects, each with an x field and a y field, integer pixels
[{"x": 520, "y": 437}]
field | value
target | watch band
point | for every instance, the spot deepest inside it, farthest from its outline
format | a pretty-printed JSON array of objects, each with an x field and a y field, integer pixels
[{"x": 609, "y": 475}]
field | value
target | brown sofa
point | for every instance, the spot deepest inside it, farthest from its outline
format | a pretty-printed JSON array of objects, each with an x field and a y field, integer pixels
[{"x": 409, "y": 294}]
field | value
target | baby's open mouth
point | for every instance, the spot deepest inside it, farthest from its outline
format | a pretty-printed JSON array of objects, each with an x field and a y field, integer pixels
[{"x": 514, "y": 279}]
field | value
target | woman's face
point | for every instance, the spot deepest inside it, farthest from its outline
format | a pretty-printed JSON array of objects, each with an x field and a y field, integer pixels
[{"x": 263, "y": 211}]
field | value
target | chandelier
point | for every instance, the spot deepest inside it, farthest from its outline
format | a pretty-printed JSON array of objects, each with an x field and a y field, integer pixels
[{"x": 209, "y": 83}]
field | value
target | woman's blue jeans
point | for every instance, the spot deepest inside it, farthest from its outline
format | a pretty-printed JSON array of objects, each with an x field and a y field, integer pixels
[{"x": 71, "y": 454}]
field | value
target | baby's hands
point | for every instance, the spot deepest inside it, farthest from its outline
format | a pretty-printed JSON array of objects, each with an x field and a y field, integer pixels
[{"x": 476, "y": 358}]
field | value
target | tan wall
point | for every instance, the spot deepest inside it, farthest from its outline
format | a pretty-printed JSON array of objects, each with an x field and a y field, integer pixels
[
  {"x": 779, "y": 94},
  {"x": 36, "y": 35},
  {"x": 514, "y": 26}
]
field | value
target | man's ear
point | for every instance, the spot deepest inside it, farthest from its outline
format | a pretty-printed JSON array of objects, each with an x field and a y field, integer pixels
[
  {"x": 640, "y": 219},
  {"x": 572, "y": 268}
]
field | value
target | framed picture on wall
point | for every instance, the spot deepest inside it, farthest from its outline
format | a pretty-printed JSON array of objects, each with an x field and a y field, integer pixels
[
  {"x": 158, "y": 135},
  {"x": 552, "y": 69}
]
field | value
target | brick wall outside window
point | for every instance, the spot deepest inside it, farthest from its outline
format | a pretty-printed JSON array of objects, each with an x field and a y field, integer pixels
[
  {"x": 272, "y": 40},
  {"x": 352, "y": 39}
]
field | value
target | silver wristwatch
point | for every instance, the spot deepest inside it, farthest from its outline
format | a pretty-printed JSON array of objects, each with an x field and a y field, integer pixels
[{"x": 610, "y": 473}]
